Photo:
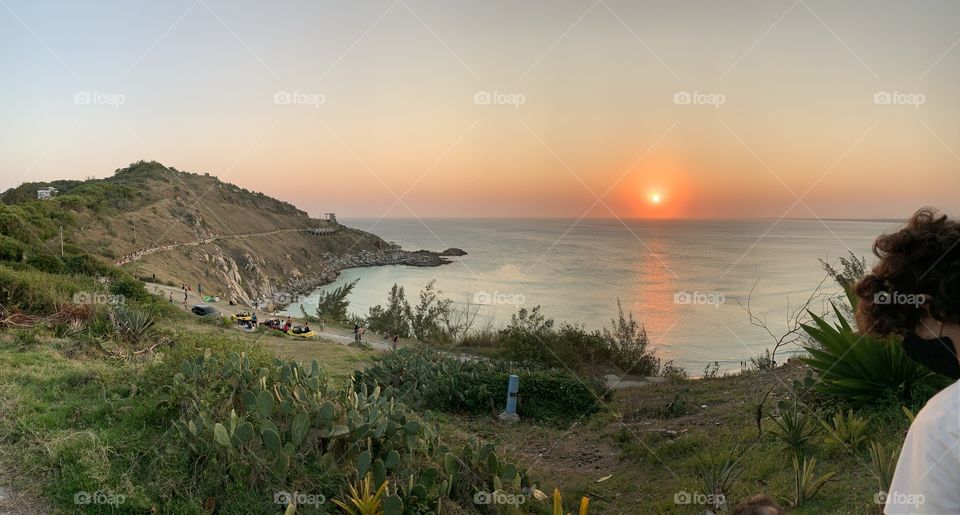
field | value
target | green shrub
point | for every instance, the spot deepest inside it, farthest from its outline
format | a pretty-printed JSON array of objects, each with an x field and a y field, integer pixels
[
  {"x": 806, "y": 483},
  {"x": 426, "y": 316},
  {"x": 718, "y": 472},
  {"x": 671, "y": 370},
  {"x": 11, "y": 249},
  {"x": 332, "y": 305},
  {"x": 883, "y": 464},
  {"x": 846, "y": 430},
  {"x": 434, "y": 380},
  {"x": 272, "y": 426},
  {"x": 25, "y": 339},
  {"x": 531, "y": 339},
  {"x": 134, "y": 325},
  {"x": 795, "y": 427},
  {"x": 35, "y": 292},
  {"x": 394, "y": 318},
  {"x": 47, "y": 263},
  {"x": 84, "y": 264},
  {"x": 129, "y": 288},
  {"x": 627, "y": 344},
  {"x": 858, "y": 370}
]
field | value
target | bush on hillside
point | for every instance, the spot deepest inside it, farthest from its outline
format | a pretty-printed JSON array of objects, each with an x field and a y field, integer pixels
[
  {"x": 47, "y": 263},
  {"x": 332, "y": 305},
  {"x": 394, "y": 318},
  {"x": 857, "y": 370},
  {"x": 628, "y": 345},
  {"x": 129, "y": 288},
  {"x": 84, "y": 264},
  {"x": 282, "y": 427},
  {"x": 434, "y": 380},
  {"x": 530, "y": 338},
  {"x": 11, "y": 249},
  {"x": 37, "y": 293},
  {"x": 425, "y": 317}
]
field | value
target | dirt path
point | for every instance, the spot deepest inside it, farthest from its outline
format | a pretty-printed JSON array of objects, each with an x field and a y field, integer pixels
[
  {"x": 344, "y": 336},
  {"x": 334, "y": 334},
  {"x": 13, "y": 502},
  {"x": 136, "y": 256}
]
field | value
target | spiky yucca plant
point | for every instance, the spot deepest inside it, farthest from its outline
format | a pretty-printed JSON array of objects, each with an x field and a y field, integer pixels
[
  {"x": 860, "y": 369},
  {"x": 806, "y": 485},
  {"x": 133, "y": 324},
  {"x": 795, "y": 427},
  {"x": 362, "y": 499},
  {"x": 846, "y": 430},
  {"x": 883, "y": 465}
]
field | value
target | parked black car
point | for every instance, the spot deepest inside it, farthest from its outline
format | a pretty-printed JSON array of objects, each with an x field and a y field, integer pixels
[{"x": 205, "y": 311}]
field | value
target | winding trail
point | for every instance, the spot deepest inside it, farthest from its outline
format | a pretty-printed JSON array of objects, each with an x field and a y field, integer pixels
[
  {"x": 140, "y": 254},
  {"x": 345, "y": 336},
  {"x": 326, "y": 333}
]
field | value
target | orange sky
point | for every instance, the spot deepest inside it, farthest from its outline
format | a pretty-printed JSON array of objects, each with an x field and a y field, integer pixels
[{"x": 499, "y": 109}]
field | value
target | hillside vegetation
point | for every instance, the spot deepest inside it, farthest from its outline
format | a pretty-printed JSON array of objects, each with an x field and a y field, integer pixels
[{"x": 147, "y": 205}]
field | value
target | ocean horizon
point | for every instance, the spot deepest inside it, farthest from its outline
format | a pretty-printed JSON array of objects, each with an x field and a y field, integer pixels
[{"x": 686, "y": 281}]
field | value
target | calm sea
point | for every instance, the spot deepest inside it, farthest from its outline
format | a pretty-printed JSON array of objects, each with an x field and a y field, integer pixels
[{"x": 684, "y": 280}]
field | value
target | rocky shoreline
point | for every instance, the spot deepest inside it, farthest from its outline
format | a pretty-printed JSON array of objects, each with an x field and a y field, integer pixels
[{"x": 298, "y": 287}]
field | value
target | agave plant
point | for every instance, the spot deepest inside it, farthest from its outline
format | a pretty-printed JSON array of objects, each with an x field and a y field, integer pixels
[
  {"x": 860, "y": 369},
  {"x": 75, "y": 327},
  {"x": 846, "y": 430},
  {"x": 363, "y": 500},
  {"x": 133, "y": 324},
  {"x": 718, "y": 473},
  {"x": 883, "y": 464},
  {"x": 795, "y": 427},
  {"x": 806, "y": 485}
]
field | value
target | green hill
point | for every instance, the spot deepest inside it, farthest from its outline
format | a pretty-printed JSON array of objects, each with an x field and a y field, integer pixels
[{"x": 238, "y": 244}]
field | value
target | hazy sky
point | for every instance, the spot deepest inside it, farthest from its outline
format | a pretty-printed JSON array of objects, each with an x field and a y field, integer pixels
[{"x": 499, "y": 108}]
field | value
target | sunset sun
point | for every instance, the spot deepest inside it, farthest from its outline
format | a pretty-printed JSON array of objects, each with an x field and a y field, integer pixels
[{"x": 655, "y": 198}]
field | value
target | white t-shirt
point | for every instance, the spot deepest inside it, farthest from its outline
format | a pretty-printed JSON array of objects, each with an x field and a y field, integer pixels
[{"x": 927, "y": 478}]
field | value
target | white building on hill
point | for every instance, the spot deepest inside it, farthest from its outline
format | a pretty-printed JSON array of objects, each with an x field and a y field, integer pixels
[{"x": 45, "y": 193}]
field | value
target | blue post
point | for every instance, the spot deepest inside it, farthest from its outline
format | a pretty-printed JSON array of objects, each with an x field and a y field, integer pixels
[{"x": 513, "y": 386}]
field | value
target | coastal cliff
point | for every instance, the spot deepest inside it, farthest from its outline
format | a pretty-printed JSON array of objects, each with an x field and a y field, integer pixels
[{"x": 195, "y": 230}]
